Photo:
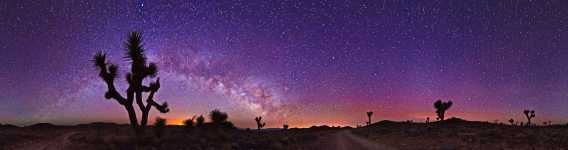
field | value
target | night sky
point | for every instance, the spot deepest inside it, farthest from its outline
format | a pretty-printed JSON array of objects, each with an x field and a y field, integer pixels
[{"x": 298, "y": 62}]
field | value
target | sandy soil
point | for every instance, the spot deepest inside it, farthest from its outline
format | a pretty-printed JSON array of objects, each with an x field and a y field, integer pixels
[{"x": 384, "y": 135}]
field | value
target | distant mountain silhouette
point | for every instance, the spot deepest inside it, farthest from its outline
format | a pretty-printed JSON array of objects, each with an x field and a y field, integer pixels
[
  {"x": 8, "y": 126},
  {"x": 100, "y": 124},
  {"x": 42, "y": 125}
]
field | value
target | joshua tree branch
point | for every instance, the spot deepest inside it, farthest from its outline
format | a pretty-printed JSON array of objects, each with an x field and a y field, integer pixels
[
  {"x": 108, "y": 74},
  {"x": 153, "y": 88}
]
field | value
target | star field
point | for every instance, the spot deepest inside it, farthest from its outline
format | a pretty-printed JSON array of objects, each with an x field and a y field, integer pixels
[{"x": 302, "y": 62}]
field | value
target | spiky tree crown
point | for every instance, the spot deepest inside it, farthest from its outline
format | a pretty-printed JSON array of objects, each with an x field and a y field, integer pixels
[{"x": 442, "y": 105}]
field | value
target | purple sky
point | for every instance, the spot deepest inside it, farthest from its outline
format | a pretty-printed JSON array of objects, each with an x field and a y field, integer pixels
[{"x": 301, "y": 62}]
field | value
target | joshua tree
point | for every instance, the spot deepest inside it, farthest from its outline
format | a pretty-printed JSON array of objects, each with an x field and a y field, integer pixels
[
  {"x": 258, "y": 122},
  {"x": 199, "y": 121},
  {"x": 369, "y": 114},
  {"x": 427, "y": 120},
  {"x": 441, "y": 108},
  {"x": 512, "y": 122},
  {"x": 529, "y": 114},
  {"x": 159, "y": 127},
  {"x": 140, "y": 70}
]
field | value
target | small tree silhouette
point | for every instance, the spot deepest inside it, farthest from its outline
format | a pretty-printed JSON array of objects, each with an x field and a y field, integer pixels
[
  {"x": 427, "y": 120},
  {"x": 159, "y": 126},
  {"x": 218, "y": 117},
  {"x": 200, "y": 121},
  {"x": 512, "y": 122},
  {"x": 369, "y": 115},
  {"x": 140, "y": 70},
  {"x": 529, "y": 114},
  {"x": 189, "y": 123},
  {"x": 258, "y": 122},
  {"x": 441, "y": 108},
  {"x": 285, "y": 126}
]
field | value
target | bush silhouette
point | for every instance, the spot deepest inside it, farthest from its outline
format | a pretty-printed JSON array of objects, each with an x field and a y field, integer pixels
[
  {"x": 259, "y": 123},
  {"x": 285, "y": 126},
  {"x": 189, "y": 123},
  {"x": 529, "y": 114},
  {"x": 140, "y": 70},
  {"x": 512, "y": 122},
  {"x": 217, "y": 117},
  {"x": 220, "y": 119},
  {"x": 441, "y": 108},
  {"x": 369, "y": 115},
  {"x": 199, "y": 121},
  {"x": 159, "y": 126}
]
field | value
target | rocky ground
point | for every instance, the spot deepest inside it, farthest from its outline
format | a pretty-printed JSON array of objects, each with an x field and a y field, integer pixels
[{"x": 385, "y": 135}]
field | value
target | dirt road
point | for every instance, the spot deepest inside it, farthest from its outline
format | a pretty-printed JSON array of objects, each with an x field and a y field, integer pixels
[{"x": 345, "y": 140}]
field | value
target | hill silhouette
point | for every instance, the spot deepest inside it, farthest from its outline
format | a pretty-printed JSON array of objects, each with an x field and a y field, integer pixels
[
  {"x": 8, "y": 126},
  {"x": 42, "y": 125}
]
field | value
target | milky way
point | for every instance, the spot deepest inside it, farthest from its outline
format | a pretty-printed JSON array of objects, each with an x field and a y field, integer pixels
[{"x": 298, "y": 62}]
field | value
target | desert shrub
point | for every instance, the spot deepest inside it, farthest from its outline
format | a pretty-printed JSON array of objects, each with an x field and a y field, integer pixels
[
  {"x": 200, "y": 121},
  {"x": 218, "y": 117},
  {"x": 189, "y": 123},
  {"x": 159, "y": 126}
]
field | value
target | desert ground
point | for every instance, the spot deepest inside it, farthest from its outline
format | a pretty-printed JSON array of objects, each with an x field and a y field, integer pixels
[{"x": 383, "y": 135}]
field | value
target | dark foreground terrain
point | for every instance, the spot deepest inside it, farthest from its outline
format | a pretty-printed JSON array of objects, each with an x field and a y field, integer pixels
[{"x": 451, "y": 134}]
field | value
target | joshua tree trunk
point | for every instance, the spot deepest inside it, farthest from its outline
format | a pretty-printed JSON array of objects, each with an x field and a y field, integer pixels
[
  {"x": 132, "y": 116},
  {"x": 369, "y": 115}
]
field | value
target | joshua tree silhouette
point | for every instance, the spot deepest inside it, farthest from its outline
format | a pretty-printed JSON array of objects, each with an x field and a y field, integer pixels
[
  {"x": 529, "y": 114},
  {"x": 258, "y": 122},
  {"x": 140, "y": 69},
  {"x": 427, "y": 120},
  {"x": 512, "y": 122},
  {"x": 369, "y": 115},
  {"x": 441, "y": 108},
  {"x": 199, "y": 121}
]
